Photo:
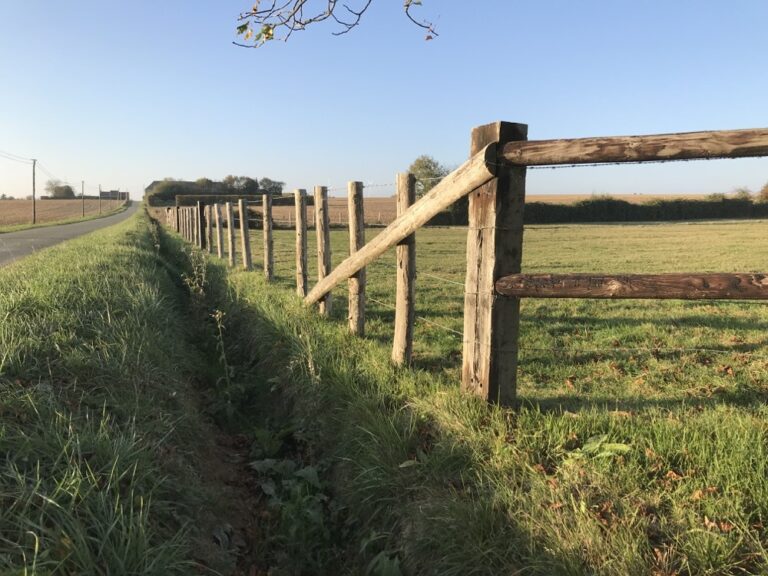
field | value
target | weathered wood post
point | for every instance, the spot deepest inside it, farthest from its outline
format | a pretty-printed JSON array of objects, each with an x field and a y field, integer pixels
[
  {"x": 219, "y": 231},
  {"x": 405, "y": 307},
  {"x": 269, "y": 256},
  {"x": 245, "y": 236},
  {"x": 176, "y": 222},
  {"x": 193, "y": 226},
  {"x": 301, "y": 242},
  {"x": 209, "y": 228},
  {"x": 230, "y": 233},
  {"x": 200, "y": 219},
  {"x": 356, "y": 241},
  {"x": 494, "y": 249},
  {"x": 323, "y": 231}
]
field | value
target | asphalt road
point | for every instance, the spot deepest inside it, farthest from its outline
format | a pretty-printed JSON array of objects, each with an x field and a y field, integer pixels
[{"x": 15, "y": 245}]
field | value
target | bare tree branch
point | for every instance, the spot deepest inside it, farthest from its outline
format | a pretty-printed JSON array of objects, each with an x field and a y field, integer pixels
[{"x": 279, "y": 19}]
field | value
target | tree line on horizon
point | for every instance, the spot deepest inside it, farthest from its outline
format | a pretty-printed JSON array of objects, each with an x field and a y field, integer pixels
[{"x": 166, "y": 190}]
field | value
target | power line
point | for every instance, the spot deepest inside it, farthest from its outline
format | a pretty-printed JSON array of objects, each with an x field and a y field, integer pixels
[{"x": 15, "y": 158}]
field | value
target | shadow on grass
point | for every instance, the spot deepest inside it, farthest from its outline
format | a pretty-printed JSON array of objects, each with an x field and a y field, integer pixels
[{"x": 575, "y": 403}]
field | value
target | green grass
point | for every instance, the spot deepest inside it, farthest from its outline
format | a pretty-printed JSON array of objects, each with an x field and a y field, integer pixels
[
  {"x": 640, "y": 446},
  {"x": 98, "y": 426}
]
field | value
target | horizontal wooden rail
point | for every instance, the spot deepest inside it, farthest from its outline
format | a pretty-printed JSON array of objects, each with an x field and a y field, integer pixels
[
  {"x": 638, "y": 286},
  {"x": 472, "y": 174},
  {"x": 660, "y": 147}
]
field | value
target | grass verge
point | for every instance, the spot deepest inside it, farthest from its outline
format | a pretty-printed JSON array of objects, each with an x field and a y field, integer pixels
[{"x": 98, "y": 426}]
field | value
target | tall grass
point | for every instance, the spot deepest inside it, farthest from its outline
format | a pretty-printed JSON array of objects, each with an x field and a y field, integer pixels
[{"x": 93, "y": 410}]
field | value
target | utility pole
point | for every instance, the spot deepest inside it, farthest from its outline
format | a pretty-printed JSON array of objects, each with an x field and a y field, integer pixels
[
  {"x": 82, "y": 194},
  {"x": 34, "y": 208}
]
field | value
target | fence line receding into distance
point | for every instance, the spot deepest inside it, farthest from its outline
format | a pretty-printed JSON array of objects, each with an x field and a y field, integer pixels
[{"x": 494, "y": 180}]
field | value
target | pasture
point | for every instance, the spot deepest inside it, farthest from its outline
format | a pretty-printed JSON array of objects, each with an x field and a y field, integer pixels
[
  {"x": 19, "y": 212},
  {"x": 640, "y": 442},
  {"x": 381, "y": 211},
  {"x": 597, "y": 334}
]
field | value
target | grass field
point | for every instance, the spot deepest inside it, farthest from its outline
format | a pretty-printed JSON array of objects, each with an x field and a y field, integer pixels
[
  {"x": 14, "y": 213},
  {"x": 640, "y": 446}
]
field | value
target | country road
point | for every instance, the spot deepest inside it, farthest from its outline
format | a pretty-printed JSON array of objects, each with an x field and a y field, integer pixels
[{"x": 15, "y": 245}]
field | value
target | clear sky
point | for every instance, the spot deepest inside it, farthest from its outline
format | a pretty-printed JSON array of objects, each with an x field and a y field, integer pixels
[{"x": 123, "y": 93}]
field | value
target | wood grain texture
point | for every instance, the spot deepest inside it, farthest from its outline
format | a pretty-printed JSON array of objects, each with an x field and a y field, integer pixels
[
  {"x": 682, "y": 146},
  {"x": 230, "y": 233},
  {"x": 323, "y": 232},
  {"x": 219, "y": 231},
  {"x": 245, "y": 236},
  {"x": 494, "y": 249},
  {"x": 356, "y": 242},
  {"x": 475, "y": 172},
  {"x": 269, "y": 254},
  {"x": 681, "y": 286},
  {"x": 405, "y": 257},
  {"x": 302, "y": 275}
]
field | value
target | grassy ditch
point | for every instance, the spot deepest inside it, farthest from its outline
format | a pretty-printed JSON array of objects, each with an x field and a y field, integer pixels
[
  {"x": 99, "y": 432},
  {"x": 640, "y": 446}
]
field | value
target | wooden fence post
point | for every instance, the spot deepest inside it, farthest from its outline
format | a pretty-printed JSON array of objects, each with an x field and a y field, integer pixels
[
  {"x": 405, "y": 307},
  {"x": 269, "y": 256},
  {"x": 356, "y": 241},
  {"x": 200, "y": 220},
  {"x": 176, "y": 223},
  {"x": 494, "y": 249},
  {"x": 245, "y": 236},
  {"x": 185, "y": 222},
  {"x": 209, "y": 228},
  {"x": 230, "y": 233},
  {"x": 219, "y": 231},
  {"x": 301, "y": 242},
  {"x": 323, "y": 231}
]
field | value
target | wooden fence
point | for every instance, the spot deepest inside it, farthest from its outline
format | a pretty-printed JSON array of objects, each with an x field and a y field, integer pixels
[{"x": 494, "y": 180}]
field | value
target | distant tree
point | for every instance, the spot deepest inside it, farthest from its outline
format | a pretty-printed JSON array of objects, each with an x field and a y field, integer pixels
[
  {"x": 278, "y": 20},
  {"x": 743, "y": 193},
  {"x": 272, "y": 187},
  {"x": 204, "y": 184},
  {"x": 4, "y": 197},
  {"x": 428, "y": 173},
  {"x": 57, "y": 189},
  {"x": 241, "y": 184},
  {"x": 762, "y": 196}
]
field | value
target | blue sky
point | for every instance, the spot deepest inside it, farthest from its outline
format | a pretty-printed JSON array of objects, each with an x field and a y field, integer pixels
[{"x": 125, "y": 93}]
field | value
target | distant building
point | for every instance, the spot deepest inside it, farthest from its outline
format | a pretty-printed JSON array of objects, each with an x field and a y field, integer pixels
[{"x": 112, "y": 195}]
